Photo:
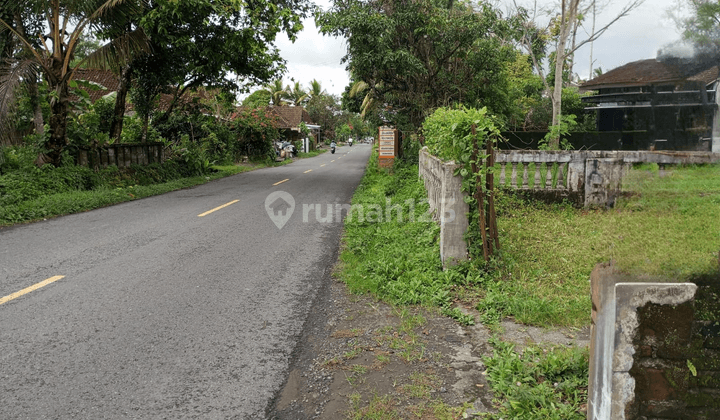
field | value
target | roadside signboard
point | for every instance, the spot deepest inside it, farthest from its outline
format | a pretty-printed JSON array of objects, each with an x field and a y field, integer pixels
[{"x": 388, "y": 145}]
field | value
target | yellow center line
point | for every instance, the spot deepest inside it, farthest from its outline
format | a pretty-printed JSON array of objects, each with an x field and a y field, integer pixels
[
  {"x": 286, "y": 179},
  {"x": 29, "y": 289},
  {"x": 217, "y": 208},
  {"x": 322, "y": 165},
  {"x": 309, "y": 170},
  {"x": 332, "y": 161}
]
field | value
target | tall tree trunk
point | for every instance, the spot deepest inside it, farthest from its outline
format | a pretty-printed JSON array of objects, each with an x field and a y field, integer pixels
[
  {"x": 58, "y": 125},
  {"x": 592, "y": 43},
  {"x": 569, "y": 13},
  {"x": 120, "y": 100}
]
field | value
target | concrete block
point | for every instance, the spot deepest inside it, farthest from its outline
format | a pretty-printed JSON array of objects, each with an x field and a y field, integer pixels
[
  {"x": 611, "y": 393},
  {"x": 447, "y": 204},
  {"x": 603, "y": 181}
]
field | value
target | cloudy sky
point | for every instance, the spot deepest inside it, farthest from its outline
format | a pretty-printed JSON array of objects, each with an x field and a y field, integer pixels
[{"x": 637, "y": 36}]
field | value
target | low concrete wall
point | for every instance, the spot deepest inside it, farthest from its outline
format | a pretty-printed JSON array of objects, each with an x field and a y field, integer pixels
[
  {"x": 651, "y": 355},
  {"x": 447, "y": 205},
  {"x": 590, "y": 178}
]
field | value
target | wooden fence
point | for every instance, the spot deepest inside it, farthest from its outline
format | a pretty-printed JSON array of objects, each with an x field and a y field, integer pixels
[{"x": 122, "y": 155}]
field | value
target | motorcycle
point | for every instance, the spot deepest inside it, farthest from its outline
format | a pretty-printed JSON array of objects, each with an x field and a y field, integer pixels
[{"x": 332, "y": 148}]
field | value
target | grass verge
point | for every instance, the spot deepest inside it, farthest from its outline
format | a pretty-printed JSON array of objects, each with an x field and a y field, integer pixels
[
  {"x": 666, "y": 226},
  {"x": 32, "y": 194},
  {"x": 537, "y": 383}
]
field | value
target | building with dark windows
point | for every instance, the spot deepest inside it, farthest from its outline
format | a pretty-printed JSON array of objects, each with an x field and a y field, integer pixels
[{"x": 669, "y": 104}]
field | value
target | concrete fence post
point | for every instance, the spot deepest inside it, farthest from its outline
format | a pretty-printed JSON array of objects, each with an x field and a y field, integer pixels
[{"x": 447, "y": 204}]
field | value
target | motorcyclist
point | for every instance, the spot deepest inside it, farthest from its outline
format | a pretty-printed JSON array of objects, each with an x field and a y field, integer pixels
[
  {"x": 350, "y": 142},
  {"x": 332, "y": 147}
]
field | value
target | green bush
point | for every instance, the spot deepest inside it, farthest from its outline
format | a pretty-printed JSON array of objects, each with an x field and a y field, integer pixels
[
  {"x": 448, "y": 132},
  {"x": 33, "y": 182},
  {"x": 256, "y": 129}
]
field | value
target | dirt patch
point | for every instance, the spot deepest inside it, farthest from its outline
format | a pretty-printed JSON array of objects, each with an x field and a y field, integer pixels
[{"x": 359, "y": 356}]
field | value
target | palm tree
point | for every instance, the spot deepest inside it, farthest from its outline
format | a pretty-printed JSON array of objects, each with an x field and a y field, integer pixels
[
  {"x": 370, "y": 101},
  {"x": 296, "y": 94},
  {"x": 315, "y": 89},
  {"x": 277, "y": 92},
  {"x": 67, "y": 20}
]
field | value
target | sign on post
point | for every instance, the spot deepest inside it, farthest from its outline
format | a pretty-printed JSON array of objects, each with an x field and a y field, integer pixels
[{"x": 388, "y": 146}]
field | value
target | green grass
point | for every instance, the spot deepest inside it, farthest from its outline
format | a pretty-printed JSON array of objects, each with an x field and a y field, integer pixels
[
  {"x": 537, "y": 383},
  {"x": 396, "y": 261},
  {"x": 311, "y": 153},
  {"x": 664, "y": 227},
  {"x": 32, "y": 194},
  {"x": 669, "y": 227}
]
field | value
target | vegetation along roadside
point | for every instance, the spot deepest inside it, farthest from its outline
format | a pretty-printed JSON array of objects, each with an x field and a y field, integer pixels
[
  {"x": 665, "y": 225},
  {"x": 29, "y": 193}
]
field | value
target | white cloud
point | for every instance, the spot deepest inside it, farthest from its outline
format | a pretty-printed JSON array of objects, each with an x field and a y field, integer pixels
[{"x": 314, "y": 56}]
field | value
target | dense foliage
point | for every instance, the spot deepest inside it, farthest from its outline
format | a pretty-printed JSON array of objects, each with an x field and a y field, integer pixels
[
  {"x": 419, "y": 55},
  {"x": 163, "y": 46},
  {"x": 256, "y": 128}
]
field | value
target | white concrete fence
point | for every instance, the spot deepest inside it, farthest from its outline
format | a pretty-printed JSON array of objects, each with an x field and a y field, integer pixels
[
  {"x": 590, "y": 178},
  {"x": 447, "y": 205}
]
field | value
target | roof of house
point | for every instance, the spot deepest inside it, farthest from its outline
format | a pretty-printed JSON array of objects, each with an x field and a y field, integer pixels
[
  {"x": 708, "y": 76},
  {"x": 291, "y": 116},
  {"x": 648, "y": 72},
  {"x": 106, "y": 80},
  {"x": 637, "y": 73}
]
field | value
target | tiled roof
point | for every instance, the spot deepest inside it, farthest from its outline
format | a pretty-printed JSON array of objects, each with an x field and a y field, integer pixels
[
  {"x": 291, "y": 116},
  {"x": 637, "y": 73},
  {"x": 708, "y": 76},
  {"x": 105, "y": 79}
]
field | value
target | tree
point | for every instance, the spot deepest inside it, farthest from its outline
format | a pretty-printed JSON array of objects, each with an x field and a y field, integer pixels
[
  {"x": 296, "y": 94},
  {"x": 702, "y": 27},
  {"x": 416, "y": 55},
  {"x": 220, "y": 45},
  {"x": 315, "y": 89},
  {"x": 258, "y": 99},
  {"x": 564, "y": 27},
  {"x": 277, "y": 92},
  {"x": 66, "y": 24},
  {"x": 323, "y": 109},
  {"x": 11, "y": 49}
]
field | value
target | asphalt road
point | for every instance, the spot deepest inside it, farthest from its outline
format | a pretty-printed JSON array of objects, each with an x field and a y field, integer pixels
[{"x": 163, "y": 313}]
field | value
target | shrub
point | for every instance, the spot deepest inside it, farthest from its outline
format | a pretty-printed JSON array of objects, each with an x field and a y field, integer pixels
[
  {"x": 256, "y": 129},
  {"x": 448, "y": 132}
]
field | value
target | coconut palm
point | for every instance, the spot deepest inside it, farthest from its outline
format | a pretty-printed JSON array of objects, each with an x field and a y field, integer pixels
[
  {"x": 370, "y": 101},
  {"x": 316, "y": 89},
  {"x": 296, "y": 94},
  {"x": 67, "y": 21},
  {"x": 277, "y": 92}
]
